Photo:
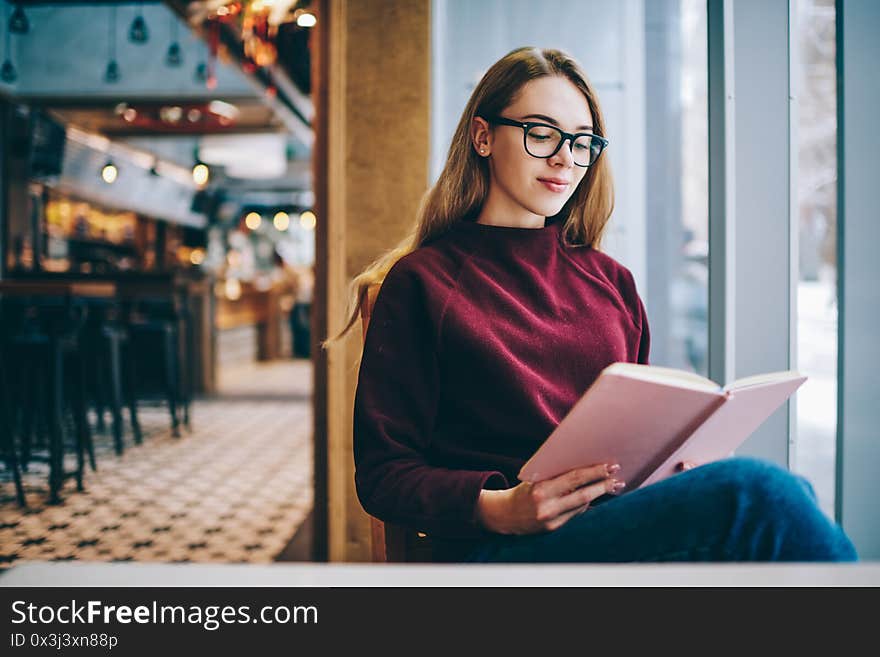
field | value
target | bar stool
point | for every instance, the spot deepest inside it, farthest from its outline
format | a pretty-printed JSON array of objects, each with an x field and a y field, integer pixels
[
  {"x": 8, "y": 447},
  {"x": 41, "y": 337},
  {"x": 155, "y": 326},
  {"x": 104, "y": 338}
]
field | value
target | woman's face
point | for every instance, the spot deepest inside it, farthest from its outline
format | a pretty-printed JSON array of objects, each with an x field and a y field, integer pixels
[{"x": 522, "y": 185}]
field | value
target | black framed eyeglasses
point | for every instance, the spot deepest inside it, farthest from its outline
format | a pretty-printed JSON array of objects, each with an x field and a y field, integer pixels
[{"x": 543, "y": 140}]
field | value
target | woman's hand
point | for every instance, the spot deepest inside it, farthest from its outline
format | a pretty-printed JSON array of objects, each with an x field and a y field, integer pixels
[{"x": 532, "y": 508}]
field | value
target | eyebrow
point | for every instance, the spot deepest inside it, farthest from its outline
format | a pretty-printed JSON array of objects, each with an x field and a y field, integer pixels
[{"x": 550, "y": 119}]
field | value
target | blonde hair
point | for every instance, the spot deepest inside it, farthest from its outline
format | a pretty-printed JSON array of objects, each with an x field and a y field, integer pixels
[{"x": 463, "y": 185}]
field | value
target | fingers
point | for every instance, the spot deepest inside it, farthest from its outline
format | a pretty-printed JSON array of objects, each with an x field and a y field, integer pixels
[
  {"x": 565, "y": 517},
  {"x": 574, "y": 479},
  {"x": 558, "y": 511}
]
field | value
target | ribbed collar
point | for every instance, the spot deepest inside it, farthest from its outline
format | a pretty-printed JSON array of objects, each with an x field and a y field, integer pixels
[{"x": 549, "y": 232}]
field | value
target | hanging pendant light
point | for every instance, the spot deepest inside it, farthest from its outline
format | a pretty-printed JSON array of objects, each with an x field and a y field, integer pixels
[
  {"x": 201, "y": 173},
  {"x": 174, "y": 56},
  {"x": 18, "y": 22},
  {"x": 112, "y": 74},
  {"x": 201, "y": 74},
  {"x": 205, "y": 71},
  {"x": 109, "y": 172},
  {"x": 7, "y": 71},
  {"x": 138, "y": 32}
]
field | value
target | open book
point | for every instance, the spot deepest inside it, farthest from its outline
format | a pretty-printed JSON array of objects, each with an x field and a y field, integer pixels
[{"x": 650, "y": 419}]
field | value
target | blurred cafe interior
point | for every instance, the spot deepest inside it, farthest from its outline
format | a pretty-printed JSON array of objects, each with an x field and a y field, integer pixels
[
  {"x": 157, "y": 274},
  {"x": 187, "y": 187}
]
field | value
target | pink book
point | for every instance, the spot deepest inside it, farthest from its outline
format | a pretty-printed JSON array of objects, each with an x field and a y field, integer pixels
[{"x": 650, "y": 419}]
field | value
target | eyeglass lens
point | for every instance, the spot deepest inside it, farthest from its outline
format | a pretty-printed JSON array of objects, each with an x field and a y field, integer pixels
[{"x": 543, "y": 141}]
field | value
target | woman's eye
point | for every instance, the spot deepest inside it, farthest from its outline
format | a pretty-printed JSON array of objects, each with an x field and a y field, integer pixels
[{"x": 539, "y": 133}]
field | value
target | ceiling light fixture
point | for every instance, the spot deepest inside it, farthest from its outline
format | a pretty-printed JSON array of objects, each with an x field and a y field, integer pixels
[
  {"x": 7, "y": 71},
  {"x": 204, "y": 72},
  {"x": 112, "y": 75},
  {"x": 109, "y": 173},
  {"x": 174, "y": 56},
  {"x": 171, "y": 113},
  {"x": 306, "y": 20},
  {"x": 18, "y": 22},
  {"x": 281, "y": 221},
  {"x": 139, "y": 32},
  {"x": 253, "y": 220},
  {"x": 201, "y": 174},
  {"x": 224, "y": 109}
]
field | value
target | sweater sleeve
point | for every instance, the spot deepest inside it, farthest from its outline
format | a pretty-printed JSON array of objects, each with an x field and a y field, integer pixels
[
  {"x": 630, "y": 292},
  {"x": 394, "y": 412}
]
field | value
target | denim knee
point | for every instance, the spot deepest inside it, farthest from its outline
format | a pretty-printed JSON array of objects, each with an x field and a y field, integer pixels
[
  {"x": 776, "y": 512},
  {"x": 760, "y": 481}
]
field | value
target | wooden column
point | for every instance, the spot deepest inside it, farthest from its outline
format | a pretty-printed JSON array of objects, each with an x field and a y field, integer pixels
[
  {"x": 372, "y": 96},
  {"x": 4, "y": 184}
]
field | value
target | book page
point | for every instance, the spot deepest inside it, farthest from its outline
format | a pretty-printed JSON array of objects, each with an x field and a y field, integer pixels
[
  {"x": 667, "y": 375},
  {"x": 762, "y": 379}
]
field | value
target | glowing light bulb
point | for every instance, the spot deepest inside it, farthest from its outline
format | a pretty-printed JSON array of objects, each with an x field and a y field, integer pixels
[
  {"x": 109, "y": 173},
  {"x": 201, "y": 174},
  {"x": 306, "y": 20},
  {"x": 197, "y": 256},
  {"x": 307, "y": 220},
  {"x": 253, "y": 220}
]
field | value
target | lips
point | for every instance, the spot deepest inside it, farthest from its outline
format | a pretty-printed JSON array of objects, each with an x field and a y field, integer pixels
[{"x": 555, "y": 184}]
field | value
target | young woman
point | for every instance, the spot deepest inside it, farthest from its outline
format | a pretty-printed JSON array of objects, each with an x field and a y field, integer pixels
[{"x": 493, "y": 317}]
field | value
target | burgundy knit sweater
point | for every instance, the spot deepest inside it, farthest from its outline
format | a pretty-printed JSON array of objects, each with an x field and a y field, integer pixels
[{"x": 479, "y": 343}]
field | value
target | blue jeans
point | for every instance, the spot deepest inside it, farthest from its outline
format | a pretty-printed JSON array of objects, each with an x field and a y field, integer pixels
[{"x": 737, "y": 509}]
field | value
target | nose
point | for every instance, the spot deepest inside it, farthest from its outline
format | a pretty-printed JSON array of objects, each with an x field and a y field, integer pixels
[{"x": 564, "y": 155}]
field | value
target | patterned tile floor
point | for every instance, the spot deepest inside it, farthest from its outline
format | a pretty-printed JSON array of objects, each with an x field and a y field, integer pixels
[{"x": 234, "y": 489}]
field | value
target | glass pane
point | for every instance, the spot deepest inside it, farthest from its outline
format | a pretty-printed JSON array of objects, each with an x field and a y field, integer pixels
[
  {"x": 687, "y": 344},
  {"x": 814, "y": 453}
]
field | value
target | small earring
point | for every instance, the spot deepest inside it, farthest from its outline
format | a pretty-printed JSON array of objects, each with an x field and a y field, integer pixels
[{"x": 482, "y": 150}]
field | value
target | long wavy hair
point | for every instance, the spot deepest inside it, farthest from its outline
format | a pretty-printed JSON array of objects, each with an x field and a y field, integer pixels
[{"x": 463, "y": 185}]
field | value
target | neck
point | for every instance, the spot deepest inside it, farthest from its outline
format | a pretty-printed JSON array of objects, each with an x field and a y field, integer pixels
[{"x": 504, "y": 212}]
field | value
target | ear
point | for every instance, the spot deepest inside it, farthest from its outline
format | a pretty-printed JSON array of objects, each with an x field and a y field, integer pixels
[{"x": 481, "y": 136}]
